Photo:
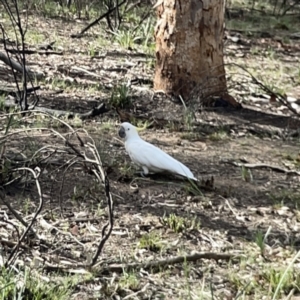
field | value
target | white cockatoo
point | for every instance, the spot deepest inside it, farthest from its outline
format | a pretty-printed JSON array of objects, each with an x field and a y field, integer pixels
[{"x": 149, "y": 157}]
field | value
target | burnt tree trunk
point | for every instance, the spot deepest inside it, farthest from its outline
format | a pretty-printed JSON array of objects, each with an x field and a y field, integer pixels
[{"x": 189, "y": 48}]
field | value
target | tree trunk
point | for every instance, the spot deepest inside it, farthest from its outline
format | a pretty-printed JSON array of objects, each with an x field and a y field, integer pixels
[{"x": 189, "y": 48}]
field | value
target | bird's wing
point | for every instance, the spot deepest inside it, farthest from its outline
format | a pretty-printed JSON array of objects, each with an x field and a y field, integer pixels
[{"x": 146, "y": 154}]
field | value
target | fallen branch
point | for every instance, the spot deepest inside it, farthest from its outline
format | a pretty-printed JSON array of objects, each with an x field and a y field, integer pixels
[
  {"x": 18, "y": 67},
  {"x": 120, "y": 268},
  {"x": 16, "y": 96},
  {"x": 262, "y": 166},
  {"x": 80, "y": 34},
  {"x": 96, "y": 111},
  {"x": 40, "y": 52}
]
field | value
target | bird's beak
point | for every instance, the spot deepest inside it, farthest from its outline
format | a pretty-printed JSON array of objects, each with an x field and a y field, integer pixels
[{"x": 122, "y": 133}]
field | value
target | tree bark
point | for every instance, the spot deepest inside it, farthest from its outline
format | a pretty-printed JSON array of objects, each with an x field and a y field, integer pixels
[{"x": 189, "y": 48}]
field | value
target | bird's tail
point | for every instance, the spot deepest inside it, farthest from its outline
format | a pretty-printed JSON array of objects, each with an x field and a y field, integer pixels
[{"x": 186, "y": 172}]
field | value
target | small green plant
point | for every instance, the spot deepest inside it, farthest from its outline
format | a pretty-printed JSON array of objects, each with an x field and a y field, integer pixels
[
  {"x": 126, "y": 38},
  {"x": 271, "y": 53},
  {"x": 285, "y": 197},
  {"x": 129, "y": 281},
  {"x": 106, "y": 127},
  {"x": 120, "y": 96},
  {"x": 188, "y": 115},
  {"x": 179, "y": 224},
  {"x": 147, "y": 32},
  {"x": 2, "y": 102},
  {"x": 246, "y": 174},
  {"x": 27, "y": 206},
  {"x": 292, "y": 159},
  {"x": 192, "y": 189},
  {"x": 219, "y": 135},
  {"x": 126, "y": 169},
  {"x": 25, "y": 286},
  {"x": 34, "y": 37},
  {"x": 91, "y": 50},
  {"x": 273, "y": 276},
  {"x": 245, "y": 286},
  {"x": 151, "y": 241},
  {"x": 176, "y": 223},
  {"x": 151, "y": 63},
  {"x": 187, "y": 271},
  {"x": 191, "y": 136},
  {"x": 255, "y": 50},
  {"x": 78, "y": 194},
  {"x": 260, "y": 241},
  {"x": 188, "y": 118}
]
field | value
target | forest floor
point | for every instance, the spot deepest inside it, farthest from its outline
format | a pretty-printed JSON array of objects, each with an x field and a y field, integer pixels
[{"x": 244, "y": 215}]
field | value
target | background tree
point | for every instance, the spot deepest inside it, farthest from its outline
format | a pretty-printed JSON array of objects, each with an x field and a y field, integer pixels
[{"x": 189, "y": 47}]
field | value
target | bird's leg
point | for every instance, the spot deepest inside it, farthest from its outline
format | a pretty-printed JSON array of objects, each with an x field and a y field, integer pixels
[{"x": 145, "y": 171}]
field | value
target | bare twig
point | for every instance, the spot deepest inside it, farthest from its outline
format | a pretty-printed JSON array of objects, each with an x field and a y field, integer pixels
[
  {"x": 80, "y": 34},
  {"x": 138, "y": 292},
  {"x": 70, "y": 164},
  {"x": 35, "y": 173},
  {"x": 11, "y": 209},
  {"x": 108, "y": 227}
]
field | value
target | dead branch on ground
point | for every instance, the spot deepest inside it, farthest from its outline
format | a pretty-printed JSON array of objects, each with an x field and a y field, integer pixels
[
  {"x": 96, "y": 111},
  {"x": 120, "y": 268},
  {"x": 40, "y": 52},
  {"x": 18, "y": 67},
  {"x": 262, "y": 166},
  {"x": 281, "y": 98}
]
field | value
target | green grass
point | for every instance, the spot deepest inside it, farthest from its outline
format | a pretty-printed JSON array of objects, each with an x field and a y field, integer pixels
[
  {"x": 271, "y": 282},
  {"x": 126, "y": 38},
  {"x": 129, "y": 281},
  {"x": 180, "y": 224},
  {"x": 120, "y": 96},
  {"x": 151, "y": 241},
  {"x": 285, "y": 197},
  {"x": 25, "y": 285},
  {"x": 246, "y": 174},
  {"x": 219, "y": 135}
]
